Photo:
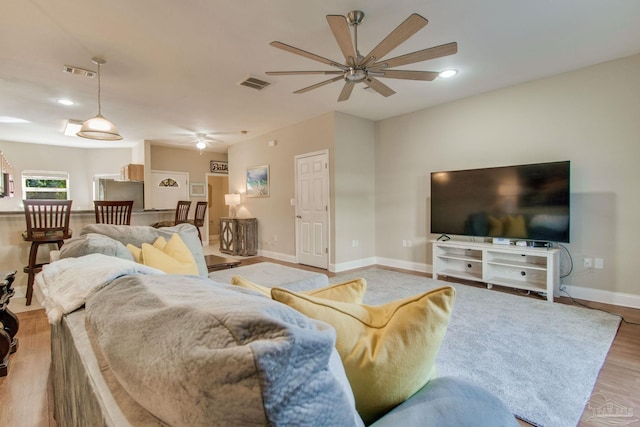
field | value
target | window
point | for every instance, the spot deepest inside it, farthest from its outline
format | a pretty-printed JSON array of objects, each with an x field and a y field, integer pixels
[{"x": 45, "y": 185}]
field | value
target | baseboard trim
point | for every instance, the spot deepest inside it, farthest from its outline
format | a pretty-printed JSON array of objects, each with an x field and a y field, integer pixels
[
  {"x": 351, "y": 265},
  {"x": 406, "y": 265},
  {"x": 599, "y": 295},
  {"x": 279, "y": 256}
]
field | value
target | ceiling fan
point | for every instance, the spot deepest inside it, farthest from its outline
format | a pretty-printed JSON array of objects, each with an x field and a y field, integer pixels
[
  {"x": 204, "y": 140},
  {"x": 367, "y": 69}
]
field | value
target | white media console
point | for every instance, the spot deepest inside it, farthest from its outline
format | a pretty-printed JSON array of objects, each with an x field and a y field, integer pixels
[{"x": 529, "y": 268}]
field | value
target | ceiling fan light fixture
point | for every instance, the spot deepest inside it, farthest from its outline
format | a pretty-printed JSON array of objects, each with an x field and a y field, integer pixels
[
  {"x": 448, "y": 73},
  {"x": 201, "y": 145},
  {"x": 98, "y": 127},
  {"x": 355, "y": 75}
]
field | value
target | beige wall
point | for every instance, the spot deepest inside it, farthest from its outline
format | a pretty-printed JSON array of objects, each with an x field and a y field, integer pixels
[
  {"x": 276, "y": 216},
  {"x": 351, "y": 142},
  {"x": 589, "y": 117},
  {"x": 187, "y": 159},
  {"x": 353, "y": 191}
]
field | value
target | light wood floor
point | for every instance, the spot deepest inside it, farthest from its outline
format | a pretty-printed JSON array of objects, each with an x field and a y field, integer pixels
[{"x": 25, "y": 395}]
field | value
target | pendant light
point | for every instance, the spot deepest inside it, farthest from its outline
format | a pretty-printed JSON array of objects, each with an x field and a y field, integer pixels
[{"x": 99, "y": 127}]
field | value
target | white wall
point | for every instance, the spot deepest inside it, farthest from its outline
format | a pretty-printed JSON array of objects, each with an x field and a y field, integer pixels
[
  {"x": 81, "y": 163},
  {"x": 589, "y": 117}
]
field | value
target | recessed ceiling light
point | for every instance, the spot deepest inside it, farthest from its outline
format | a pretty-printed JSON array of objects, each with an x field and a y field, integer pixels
[
  {"x": 65, "y": 102},
  {"x": 448, "y": 73},
  {"x": 8, "y": 119}
]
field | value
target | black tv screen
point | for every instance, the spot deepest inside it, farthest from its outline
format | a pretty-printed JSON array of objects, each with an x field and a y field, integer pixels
[{"x": 523, "y": 202}]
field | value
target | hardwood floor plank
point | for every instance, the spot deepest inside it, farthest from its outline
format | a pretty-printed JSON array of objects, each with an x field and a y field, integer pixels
[{"x": 25, "y": 388}]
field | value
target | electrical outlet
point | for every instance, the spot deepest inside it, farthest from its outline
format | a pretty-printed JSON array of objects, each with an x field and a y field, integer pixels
[
  {"x": 588, "y": 263},
  {"x": 598, "y": 263}
]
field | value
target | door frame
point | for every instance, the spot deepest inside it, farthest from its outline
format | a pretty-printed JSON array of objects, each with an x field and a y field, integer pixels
[
  {"x": 328, "y": 192},
  {"x": 206, "y": 197}
]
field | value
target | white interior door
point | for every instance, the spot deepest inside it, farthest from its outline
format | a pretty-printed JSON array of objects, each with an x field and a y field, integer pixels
[
  {"x": 312, "y": 209},
  {"x": 167, "y": 188}
]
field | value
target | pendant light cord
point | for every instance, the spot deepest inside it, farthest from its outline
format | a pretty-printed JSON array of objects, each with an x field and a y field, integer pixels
[{"x": 99, "y": 107}]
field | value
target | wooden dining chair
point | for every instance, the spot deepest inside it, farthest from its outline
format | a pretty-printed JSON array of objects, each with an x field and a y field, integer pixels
[
  {"x": 116, "y": 212},
  {"x": 47, "y": 223}
]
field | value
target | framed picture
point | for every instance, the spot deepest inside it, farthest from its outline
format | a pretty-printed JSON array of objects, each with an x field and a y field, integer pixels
[
  {"x": 258, "y": 181},
  {"x": 197, "y": 189},
  {"x": 217, "y": 166}
]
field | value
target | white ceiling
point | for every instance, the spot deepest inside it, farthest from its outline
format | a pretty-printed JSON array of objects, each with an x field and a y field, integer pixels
[{"x": 172, "y": 67}]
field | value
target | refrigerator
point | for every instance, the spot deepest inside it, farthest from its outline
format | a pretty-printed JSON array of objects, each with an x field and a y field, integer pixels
[{"x": 111, "y": 189}]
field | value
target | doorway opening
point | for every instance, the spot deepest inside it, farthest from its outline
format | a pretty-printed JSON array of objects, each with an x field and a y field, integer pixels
[{"x": 217, "y": 187}]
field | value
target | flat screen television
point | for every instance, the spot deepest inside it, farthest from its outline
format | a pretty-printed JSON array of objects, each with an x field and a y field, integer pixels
[{"x": 522, "y": 202}]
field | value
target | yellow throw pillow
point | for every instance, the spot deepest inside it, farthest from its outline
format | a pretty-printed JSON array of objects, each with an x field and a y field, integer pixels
[
  {"x": 160, "y": 243},
  {"x": 136, "y": 252},
  {"x": 349, "y": 291},
  {"x": 388, "y": 351},
  {"x": 173, "y": 258}
]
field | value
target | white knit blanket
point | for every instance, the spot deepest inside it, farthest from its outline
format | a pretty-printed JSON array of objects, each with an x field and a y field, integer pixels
[{"x": 64, "y": 286}]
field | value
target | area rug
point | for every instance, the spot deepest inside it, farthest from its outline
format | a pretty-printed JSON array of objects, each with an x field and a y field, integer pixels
[{"x": 542, "y": 359}]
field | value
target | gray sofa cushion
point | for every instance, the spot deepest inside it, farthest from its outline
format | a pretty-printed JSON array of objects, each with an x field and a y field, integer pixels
[
  {"x": 448, "y": 401},
  {"x": 92, "y": 243},
  {"x": 193, "y": 352},
  {"x": 139, "y": 234}
]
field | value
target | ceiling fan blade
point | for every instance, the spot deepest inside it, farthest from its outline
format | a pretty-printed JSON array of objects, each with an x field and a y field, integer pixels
[
  {"x": 306, "y": 54},
  {"x": 293, "y": 73},
  {"x": 346, "y": 91},
  {"x": 409, "y": 27},
  {"x": 418, "y": 56},
  {"x": 379, "y": 87},
  {"x": 408, "y": 75},
  {"x": 340, "y": 29},
  {"x": 317, "y": 85}
]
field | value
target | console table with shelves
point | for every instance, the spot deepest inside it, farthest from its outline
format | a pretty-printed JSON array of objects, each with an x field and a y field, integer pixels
[
  {"x": 528, "y": 268},
  {"x": 239, "y": 236}
]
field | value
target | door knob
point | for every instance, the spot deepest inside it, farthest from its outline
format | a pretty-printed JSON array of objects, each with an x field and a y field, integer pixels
[{"x": 299, "y": 216}]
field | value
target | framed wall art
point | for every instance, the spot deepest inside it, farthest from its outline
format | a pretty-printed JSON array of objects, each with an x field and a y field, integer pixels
[
  {"x": 258, "y": 181},
  {"x": 197, "y": 189},
  {"x": 217, "y": 166}
]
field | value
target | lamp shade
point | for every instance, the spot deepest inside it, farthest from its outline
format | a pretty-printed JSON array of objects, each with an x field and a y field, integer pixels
[
  {"x": 99, "y": 128},
  {"x": 232, "y": 199}
]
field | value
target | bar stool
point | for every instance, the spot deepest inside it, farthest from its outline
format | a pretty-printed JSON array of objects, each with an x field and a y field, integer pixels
[
  {"x": 182, "y": 215},
  {"x": 198, "y": 217},
  {"x": 116, "y": 212},
  {"x": 47, "y": 223}
]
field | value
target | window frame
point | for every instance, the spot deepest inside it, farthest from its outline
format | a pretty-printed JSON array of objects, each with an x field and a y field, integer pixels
[{"x": 45, "y": 175}]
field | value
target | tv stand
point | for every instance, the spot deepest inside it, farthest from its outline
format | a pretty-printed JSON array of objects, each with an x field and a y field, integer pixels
[{"x": 528, "y": 268}]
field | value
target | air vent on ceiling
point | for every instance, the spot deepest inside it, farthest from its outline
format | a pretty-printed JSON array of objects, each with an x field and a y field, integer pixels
[
  {"x": 254, "y": 83},
  {"x": 78, "y": 71}
]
